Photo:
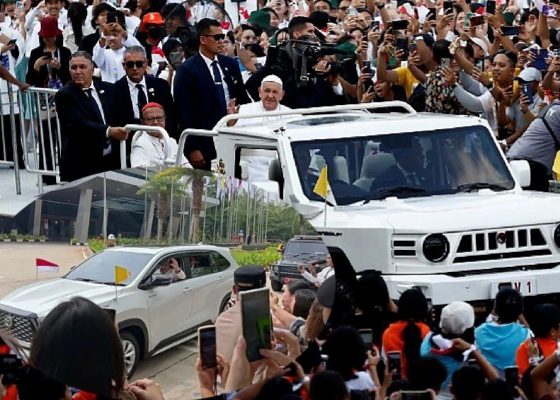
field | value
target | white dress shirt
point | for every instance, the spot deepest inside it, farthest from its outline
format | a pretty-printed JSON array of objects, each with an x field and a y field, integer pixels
[
  {"x": 95, "y": 95},
  {"x": 134, "y": 94},
  {"x": 209, "y": 65},
  {"x": 109, "y": 62},
  {"x": 148, "y": 150}
]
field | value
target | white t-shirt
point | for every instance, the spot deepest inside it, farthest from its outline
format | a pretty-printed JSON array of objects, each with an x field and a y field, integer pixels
[{"x": 362, "y": 382}]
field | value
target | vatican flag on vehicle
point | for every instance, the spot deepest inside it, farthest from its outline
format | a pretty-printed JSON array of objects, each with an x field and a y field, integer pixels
[
  {"x": 121, "y": 274},
  {"x": 322, "y": 187},
  {"x": 556, "y": 165}
]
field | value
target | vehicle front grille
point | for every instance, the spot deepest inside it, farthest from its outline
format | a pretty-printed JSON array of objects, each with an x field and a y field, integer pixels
[
  {"x": 502, "y": 244},
  {"x": 17, "y": 326}
]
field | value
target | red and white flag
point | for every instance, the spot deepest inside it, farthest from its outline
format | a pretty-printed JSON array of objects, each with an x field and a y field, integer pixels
[{"x": 45, "y": 266}]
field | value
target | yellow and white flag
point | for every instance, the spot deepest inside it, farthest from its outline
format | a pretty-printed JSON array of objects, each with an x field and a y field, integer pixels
[
  {"x": 121, "y": 274},
  {"x": 322, "y": 187},
  {"x": 556, "y": 166}
]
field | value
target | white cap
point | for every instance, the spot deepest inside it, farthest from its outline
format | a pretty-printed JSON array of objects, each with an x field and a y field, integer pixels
[
  {"x": 456, "y": 318},
  {"x": 530, "y": 74},
  {"x": 111, "y": 237},
  {"x": 480, "y": 43},
  {"x": 272, "y": 78}
]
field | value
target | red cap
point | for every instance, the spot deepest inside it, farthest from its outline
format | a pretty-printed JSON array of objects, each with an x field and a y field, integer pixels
[
  {"x": 151, "y": 104},
  {"x": 153, "y": 18}
]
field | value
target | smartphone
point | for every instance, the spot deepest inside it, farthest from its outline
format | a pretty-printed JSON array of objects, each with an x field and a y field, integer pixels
[
  {"x": 477, "y": 20},
  {"x": 399, "y": 24},
  {"x": 367, "y": 70},
  {"x": 447, "y": 7},
  {"x": 549, "y": 11},
  {"x": 412, "y": 47},
  {"x": 480, "y": 64},
  {"x": 402, "y": 44},
  {"x": 367, "y": 337},
  {"x": 374, "y": 25},
  {"x": 256, "y": 321},
  {"x": 467, "y": 21},
  {"x": 512, "y": 376},
  {"x": 509, "y": 30},
  {"x": 446, "y": 62},
  {"x": 540, "y": 59},
  {"x": 415, "y": 395},
  {"x": 12, "y": 41},
  {"x": 47, "y": 55},
  {"x": 491, "y": 7},
  {"x": 394, "y": 362},
  {"x": 9, "y": 363},
  {"x": 111, "y": 17},
  {"x": 527, "y": 92},
  {"x": 207, "y": 346},
  {"x": 432, "y": 15},
  {"x": 509, "y": 17}
]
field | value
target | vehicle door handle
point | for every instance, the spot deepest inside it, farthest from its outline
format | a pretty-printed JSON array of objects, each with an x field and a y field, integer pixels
[{"x": 186, "y": 290}]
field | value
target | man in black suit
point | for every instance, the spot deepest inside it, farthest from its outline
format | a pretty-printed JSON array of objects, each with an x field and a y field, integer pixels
[
  {"x": 204, "y": 87},
  {"x": 134, "y": 90},
  {"x": 89, "y": 143}
]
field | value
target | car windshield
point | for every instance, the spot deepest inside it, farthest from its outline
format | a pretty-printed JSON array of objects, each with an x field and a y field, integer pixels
[
  {"x": 302, "y": 250},
  {"x": 101, "y": 267},
  {"x": 361, "y": 169}
]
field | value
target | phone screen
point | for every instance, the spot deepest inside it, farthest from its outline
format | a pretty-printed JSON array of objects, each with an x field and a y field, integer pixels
[
  {"x": 433, "y": 14},
  {"x": 447, "y": 7},
  {"x": 527, "y": 92},
  {"x": 445, "y": 62},
  {"x": 510, "y": 30},
  {"x": 480, "y": 64},
  {"x": 512, "y": 376},
  {"x": 367, "y": 337},
  {"x": 256, "y": 321},
  {"x": 399, "y": 25},
  {"x": 491, "y": 7},
  {"x": 394, "y": 362},
  {"x": 207, "y": 346}
]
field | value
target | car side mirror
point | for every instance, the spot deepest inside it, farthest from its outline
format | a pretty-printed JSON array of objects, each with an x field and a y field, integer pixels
[
  {"x": 155, "y": 281},
  {"x": 275, "y": 174},
  {"x": 521, "y": 172}
]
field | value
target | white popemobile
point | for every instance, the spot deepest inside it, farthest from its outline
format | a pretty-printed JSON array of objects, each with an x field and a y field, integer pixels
[{"x": 428, "y": 199}]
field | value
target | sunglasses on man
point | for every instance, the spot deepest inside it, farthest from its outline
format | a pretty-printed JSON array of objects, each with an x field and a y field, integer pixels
[{"x": 132, "y": 64}]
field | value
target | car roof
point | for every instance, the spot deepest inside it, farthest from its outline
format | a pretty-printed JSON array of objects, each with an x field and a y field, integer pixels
[
  {"x": 166, "y": 249},
  {"x": 354, "y": 124}
]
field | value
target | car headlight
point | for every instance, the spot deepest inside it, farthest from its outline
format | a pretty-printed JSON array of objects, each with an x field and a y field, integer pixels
[
  {"x": 435, "y": 247},
  {"x": 275, "y": 268},
  {"x": 556, "y": 235}
]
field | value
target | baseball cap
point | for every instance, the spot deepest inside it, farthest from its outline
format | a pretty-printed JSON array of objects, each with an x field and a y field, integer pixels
[
  {"x": 530, "y": 74},
  {"x": 456, "y": 318},
  {"x": 111, "y": 237},
  {"x": 480, "y": 43}
]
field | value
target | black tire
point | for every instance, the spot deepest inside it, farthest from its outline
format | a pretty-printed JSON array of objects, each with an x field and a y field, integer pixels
[
  {"x": 224, "y": 303},
  {"x": 131, "y": 350},
  {"x": 276, "y": 285}
]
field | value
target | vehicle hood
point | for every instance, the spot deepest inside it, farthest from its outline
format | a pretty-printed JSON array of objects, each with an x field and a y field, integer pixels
[
  {"x": 42, "y": 297},
  {"x": 451, "y": 213}
]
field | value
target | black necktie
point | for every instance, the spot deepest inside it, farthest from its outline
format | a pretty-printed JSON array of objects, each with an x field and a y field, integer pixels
[
  {"x": 142, "y": 101},
  {"x": 94, "y": 106},
  {"x": 219, "y": 85}
]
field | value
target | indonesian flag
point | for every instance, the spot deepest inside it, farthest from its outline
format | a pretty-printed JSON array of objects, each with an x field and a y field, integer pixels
[{"x": 45, "y": 266}]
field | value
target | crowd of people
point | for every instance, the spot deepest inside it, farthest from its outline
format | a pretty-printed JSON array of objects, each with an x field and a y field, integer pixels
[
  {"x": 345, "y": 339},
  {"x": 116, "y": 64}
]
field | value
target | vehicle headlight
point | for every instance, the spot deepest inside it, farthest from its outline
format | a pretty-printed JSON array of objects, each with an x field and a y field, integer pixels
[
  {"x": 556, "y": 235},
  {"x": 275, "y": 268},
  {"x": 435, "y": 247}
]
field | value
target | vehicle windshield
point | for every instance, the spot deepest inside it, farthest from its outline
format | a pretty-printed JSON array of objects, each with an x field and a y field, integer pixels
[
  {"x": 101, "y": 267},
  {"x": 304, "y": 250},
  {"x": 361, "y": 169}
]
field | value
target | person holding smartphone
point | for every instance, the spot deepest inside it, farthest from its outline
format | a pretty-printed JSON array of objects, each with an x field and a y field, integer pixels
[{"x": 228, "y": 323}]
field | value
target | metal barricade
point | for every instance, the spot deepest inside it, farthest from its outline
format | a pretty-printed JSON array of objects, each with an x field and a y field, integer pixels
[
  {"x": 40, "y": 122},
  {"x": 130, "y": 128}
]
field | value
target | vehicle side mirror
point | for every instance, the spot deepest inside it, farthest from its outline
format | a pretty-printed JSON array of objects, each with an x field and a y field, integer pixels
[
  {"x": 521, "y": 172},
  {"x": 275, "y": 174},
  {"x": 155, "y": 281}
]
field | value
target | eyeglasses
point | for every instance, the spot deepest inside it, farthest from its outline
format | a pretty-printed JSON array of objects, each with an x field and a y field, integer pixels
[
  {"x": 151, "y": 120},
  {"x": 217, "y": 37},
  {"x": 132, "y": 64}
]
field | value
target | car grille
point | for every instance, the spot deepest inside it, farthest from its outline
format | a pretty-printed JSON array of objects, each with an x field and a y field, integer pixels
[
  {"x": 502, "y": 244},
  {"x": 17, "y": 326},
  {"x": 288, "y": 270}
]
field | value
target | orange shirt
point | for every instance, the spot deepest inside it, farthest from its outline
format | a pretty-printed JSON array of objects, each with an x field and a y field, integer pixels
[
  {"x": 547, "y": 347},
  {"x": 393, "y": 341}
]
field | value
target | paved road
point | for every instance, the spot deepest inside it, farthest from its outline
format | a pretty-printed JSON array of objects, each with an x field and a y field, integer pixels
[{"x": 174, "y": 369}]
